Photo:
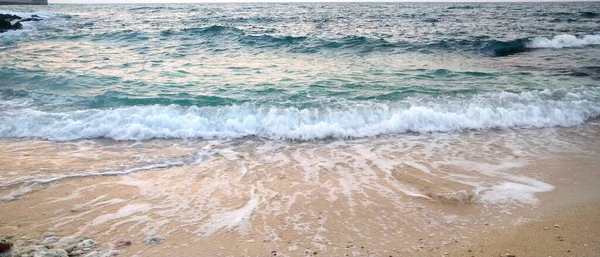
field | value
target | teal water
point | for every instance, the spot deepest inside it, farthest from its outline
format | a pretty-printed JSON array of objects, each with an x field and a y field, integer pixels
[{"x": 297, "y": 71}]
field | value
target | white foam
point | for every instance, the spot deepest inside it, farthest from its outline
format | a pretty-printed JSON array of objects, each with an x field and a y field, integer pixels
[
  {"x": 123, "y": 212},
  {"x": 516, "y": 192},
  {"x": 356, "y": 119},
  {"x": 27, "y": 184},
  {"x": 30, "y": 182},
  {"x": 234, "y": 219},
  {"x": 563, "y": 41}
]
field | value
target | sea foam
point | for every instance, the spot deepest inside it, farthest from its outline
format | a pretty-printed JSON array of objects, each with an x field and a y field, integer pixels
[
  {"x": 564, "y": 41},
  {"x": 356, "y": 119}
]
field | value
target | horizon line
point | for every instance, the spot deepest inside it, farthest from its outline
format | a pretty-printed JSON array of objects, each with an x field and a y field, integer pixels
[{"x": 325, "y": 1}]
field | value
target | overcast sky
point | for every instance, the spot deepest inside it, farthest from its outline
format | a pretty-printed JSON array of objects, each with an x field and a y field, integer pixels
[{"x": 229, "y": 1}]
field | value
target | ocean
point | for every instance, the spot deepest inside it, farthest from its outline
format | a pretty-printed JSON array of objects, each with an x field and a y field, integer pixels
[{"x": 192, "y": 121}]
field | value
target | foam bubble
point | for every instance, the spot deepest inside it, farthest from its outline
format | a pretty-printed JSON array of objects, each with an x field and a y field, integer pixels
[{"x": 563, "y": 41}]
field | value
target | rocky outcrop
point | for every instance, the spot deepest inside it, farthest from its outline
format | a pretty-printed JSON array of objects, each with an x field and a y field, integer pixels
[
  {"x": 13, "y": 22},
  {"x": 23, "y": 2}
]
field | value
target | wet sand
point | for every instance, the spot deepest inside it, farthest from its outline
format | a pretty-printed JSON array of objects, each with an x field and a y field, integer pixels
[{"x": 415, "y": 195}]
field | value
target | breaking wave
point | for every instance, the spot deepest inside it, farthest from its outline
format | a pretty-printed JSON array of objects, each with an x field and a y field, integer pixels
[{"x": 356, "y": 119}]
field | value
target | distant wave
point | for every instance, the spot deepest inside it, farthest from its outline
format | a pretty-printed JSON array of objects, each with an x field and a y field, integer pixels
[
  {"x": 110, "y": 99},
  {"x": 589, "y": 14},
  {"x": 563, "y": 41},
  {"x": 362, "y": 44},
  {"x": 354, "y": 119}
]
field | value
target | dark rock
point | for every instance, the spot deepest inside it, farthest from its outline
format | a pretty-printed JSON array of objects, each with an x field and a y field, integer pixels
[
  {"x": 155, "y": 240},
  {"x": 31, "y": 19},
  {"x": 13, "y": 22},
  {"x": 9, "y": 17},
  {"x": 6, "y": 22},
  {"x": 6, "y": 25}
]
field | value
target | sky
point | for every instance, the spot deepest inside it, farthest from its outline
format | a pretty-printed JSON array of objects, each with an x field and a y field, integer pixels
[{"x": 229, "y": 1}]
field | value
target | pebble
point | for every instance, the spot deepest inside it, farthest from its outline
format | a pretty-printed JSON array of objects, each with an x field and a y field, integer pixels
[
  {"x": 556, "y": 226},
  {"x": 93, "y": 254},
  {"x": 86, "y": 244},
  {"x": 121, "y": 244},
  {"x": 51, "y": 253},
  {"x": 545, "y": 228},
  {"x": 155, "y": 240},
  {"x": 75, "y": 253},
  {"x": 50, "y": 240},
  {"x": 52, "y": 245}
]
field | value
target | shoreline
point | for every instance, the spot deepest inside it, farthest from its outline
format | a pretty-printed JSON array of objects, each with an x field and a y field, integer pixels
[{"x": 356, "y": 198}]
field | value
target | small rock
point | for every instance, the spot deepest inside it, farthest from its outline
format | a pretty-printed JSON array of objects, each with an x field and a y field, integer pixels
[
  {"x": 50, "y": 240},
  {"x": 86, "y": 244},
  {"x": 29, "y": 250},
  {"x": 51, "y": 253},
  {"x": 155, "y": 240},
  {"x": 76, "y": 253},
  {"x": 122, "y": 244},
  {"x": 93, "y": 254},
  {"x": 71, "y": 248},
  {"x": 556, "y": 226},
  {"x": 5, "y": 246},
  {"x": 545, "y": 228}
]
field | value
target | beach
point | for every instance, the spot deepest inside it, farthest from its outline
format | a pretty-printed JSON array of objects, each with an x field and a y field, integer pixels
[
  {"x": 490, "y": 193},
  {"x": 300, "y": 129}
]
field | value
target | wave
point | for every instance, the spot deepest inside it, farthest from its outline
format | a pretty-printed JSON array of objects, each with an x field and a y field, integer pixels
[
  {"x": 110, "y": 99},
  {"x": 589, "y": 14},
  {"x": 353, "y": 119},
  {"x": 123, "y": 35},
  {"x": 563, "y": 41},
  {"x": 505, "y": 48},
  {"x": 361, "y": 44}
]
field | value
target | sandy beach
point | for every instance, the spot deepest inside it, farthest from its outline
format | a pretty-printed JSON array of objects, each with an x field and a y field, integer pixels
[{"x": 495, "y": 193}]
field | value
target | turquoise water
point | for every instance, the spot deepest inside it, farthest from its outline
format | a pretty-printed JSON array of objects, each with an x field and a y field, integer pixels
[{"x": 297, "y": 71}]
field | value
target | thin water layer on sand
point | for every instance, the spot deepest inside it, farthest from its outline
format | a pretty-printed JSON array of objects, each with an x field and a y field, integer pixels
[{"x": 389, "y": 194}]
